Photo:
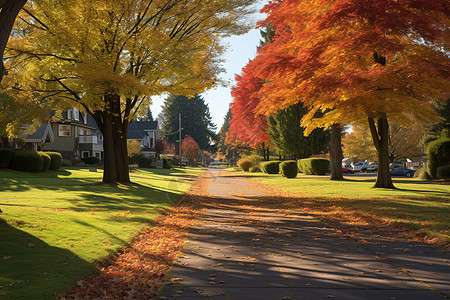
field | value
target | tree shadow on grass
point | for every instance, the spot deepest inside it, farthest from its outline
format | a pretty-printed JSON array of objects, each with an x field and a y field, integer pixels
[{"x": 32, "y": 269}]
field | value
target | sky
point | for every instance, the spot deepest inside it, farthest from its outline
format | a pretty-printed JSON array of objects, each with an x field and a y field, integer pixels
[{"x": 240, "y": 50}]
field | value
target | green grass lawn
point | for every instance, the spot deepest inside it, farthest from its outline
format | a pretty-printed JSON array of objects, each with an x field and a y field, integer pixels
[
  {"x": 56, "y": 225},
  {"x": 421, "y": 206}
]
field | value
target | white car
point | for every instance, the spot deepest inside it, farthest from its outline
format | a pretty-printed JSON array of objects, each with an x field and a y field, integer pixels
[
  {"x": 372, "y": 167},
  {"x": 361, "y": 166}
]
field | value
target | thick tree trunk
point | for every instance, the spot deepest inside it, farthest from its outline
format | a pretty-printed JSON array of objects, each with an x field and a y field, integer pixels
[
  {"x": 114, "y": 130},
  {"x": 380, "y": 136},
  {"x": 336, "y": 155},
  {"x": 8, "y": 14}
]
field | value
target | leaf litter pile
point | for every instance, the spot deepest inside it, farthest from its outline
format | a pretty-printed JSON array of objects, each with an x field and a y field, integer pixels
[{"x": 137, "y": 271}]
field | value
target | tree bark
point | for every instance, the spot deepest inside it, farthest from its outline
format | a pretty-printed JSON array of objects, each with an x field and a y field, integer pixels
[
  {"x": 336, "y": 155},
  {"x": 114, "y": 130},
  {"x": 380, "y": 136},
  {"x": 8, "y": 14}
]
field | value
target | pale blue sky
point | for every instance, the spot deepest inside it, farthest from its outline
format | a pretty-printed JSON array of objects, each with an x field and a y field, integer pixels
[{"x": 241, "y": 49}]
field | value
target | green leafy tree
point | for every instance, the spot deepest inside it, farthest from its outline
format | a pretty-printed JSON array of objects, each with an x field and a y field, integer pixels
[
  {"x": 288, "y": 136},
  {"x": 434, "y": 130},
  {"x": 195, "y": 120},
  {"x": 221, "y": 144}
]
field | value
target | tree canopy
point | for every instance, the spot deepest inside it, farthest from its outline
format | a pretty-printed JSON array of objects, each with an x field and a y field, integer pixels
[
  {"x": 195, "y": 120},
  {"x": 356, "y": 61},
  {"x": 116, "y": 56}
]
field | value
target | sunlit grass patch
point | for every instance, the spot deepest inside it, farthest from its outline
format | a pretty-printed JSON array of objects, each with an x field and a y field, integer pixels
[
  {"x": 423, "y": 207},
  {"x": 55, "y": 225}
]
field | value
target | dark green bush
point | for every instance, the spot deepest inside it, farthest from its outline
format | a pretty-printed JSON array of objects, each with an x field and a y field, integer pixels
[
  {"x": 289, "y": 169},
  {"x": 92, "y": 160},
  {"x": 245, "y": 164},
  {"x": 47, "y": 161},
  {"x": 271, "y": 167},
  {"x": 28, "y": 161},
  {"x": 313, "y": 166},
  {"x": 5, "y": 157},
  {"x": 141, "y": 160},
  {"x": 443, "y": 172},
  {"x": 438, "y": 155},
  {"x": 167, "y": 163},
  {"x": 66, "y": 163},
  {"x": 56, "y": 160},
  {"x": 423, "y": 174}
]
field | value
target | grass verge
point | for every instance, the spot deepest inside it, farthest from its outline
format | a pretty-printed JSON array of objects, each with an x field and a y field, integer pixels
[
  {"x": 56, "y": 225},
  {"x": 421, "y": 207}
]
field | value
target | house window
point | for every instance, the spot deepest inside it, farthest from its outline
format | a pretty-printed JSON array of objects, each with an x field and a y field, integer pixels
[
  {"x": 64, "y": 130},
  {"x": 69, "y": 114},
  {"x": 84, "y": 117},
  {"x": 85, "y": 154},
  {"x": 100, "y": 137},
  {"x": 76, "y": 114},
  {"x": 97, "y": 154}
]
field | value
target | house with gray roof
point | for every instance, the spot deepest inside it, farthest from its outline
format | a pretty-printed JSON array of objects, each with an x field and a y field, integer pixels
[{"x": 146, "y": 132}]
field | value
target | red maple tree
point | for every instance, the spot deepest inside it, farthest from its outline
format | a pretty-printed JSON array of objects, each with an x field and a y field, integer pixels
[
  {"x": 356, "y": 61},
  {"x": 245, "y": 125}
]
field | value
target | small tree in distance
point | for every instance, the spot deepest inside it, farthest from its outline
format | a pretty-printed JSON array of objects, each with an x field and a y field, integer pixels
[{"x": 189, "y": 149}]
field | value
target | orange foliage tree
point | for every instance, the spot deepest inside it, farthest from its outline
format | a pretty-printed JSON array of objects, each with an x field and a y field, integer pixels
[
  {"x": 245, "y": 125},
  {"x": 356, "y": 62}
]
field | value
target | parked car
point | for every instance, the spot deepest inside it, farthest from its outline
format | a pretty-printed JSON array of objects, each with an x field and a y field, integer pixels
[
  {"x": 397, "y": 165},
  {"x": 403, "y": 172},
  {"x": 360, "y": 167},
  {"x": 347, "y": 171},
  {"x": 372, "y": 167}
]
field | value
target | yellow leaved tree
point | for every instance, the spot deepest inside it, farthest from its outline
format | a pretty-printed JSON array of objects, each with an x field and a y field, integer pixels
[{"x": 108, "y": 57}]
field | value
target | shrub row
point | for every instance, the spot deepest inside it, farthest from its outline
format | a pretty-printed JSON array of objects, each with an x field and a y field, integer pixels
[
  {"x": 141, "y": 160},
  {"x": 30, "y": 161},
  {"x": 313, "y": 166},
  {"x": 92, "y": 160},
  {"x": 270, "y": 167},
  {"x": 438, "y": 155}
]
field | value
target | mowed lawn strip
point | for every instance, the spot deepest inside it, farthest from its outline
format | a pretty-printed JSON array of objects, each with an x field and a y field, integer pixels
[
  {"x": 56, "y": 225},
  {"x": 420, "y": 206}
]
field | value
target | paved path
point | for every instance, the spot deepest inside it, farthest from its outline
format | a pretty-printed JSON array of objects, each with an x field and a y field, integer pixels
[{"x": 248, "y": 248}]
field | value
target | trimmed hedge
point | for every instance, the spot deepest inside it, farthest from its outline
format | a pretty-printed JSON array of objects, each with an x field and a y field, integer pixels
[
  {"x": 270, "y": 167},
  {"x": 443, "y": 172},
  {"x": 92, "y": 160},
  {"x": 289, "y": 169},
  {"x": 5, "y": 157},
  {"x": 245, "y": 164},
  {"x": 47, "y": 161},
  {"x": 438, "y": 155},
  {"x": 141, "y": 160},
  {"x": 27, "y": 161},
  {"x": 56, "y": 160},
  {"x": 313, "y": 166}
]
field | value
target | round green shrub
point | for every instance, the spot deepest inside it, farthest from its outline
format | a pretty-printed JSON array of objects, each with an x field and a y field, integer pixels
[
  {"x": 92, "y": 160},
  {"x": 5, "y": 157},
  {"x": 255, "y": 169},
  {"x": 66, "y": 163},
  {"x": 56, "y": 160},
  {"x": 423, "y": 174},
  {"x": 438, "y": 155},
  {"x": 28, "y": 161},
  {"x": 313, "y": 166},
  {"x": 443, "y": 172},
  {"x": 245, "y": 164},
  {"x": 271, "y": 167},
  {"x": 289, "y": 169},
  {"x": 47, "y": 160}
]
